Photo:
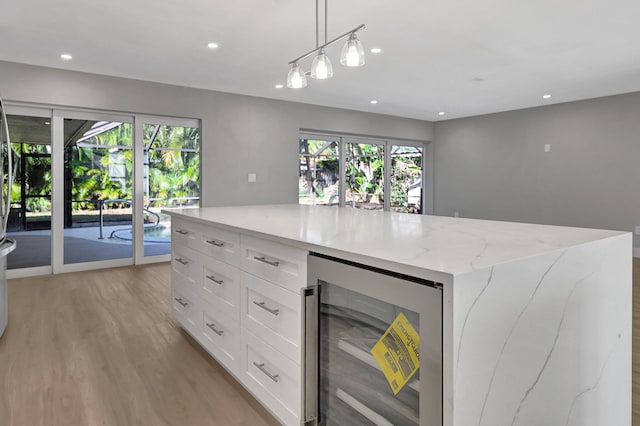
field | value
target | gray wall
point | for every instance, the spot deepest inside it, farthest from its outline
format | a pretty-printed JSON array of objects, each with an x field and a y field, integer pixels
[
  {"x": 495, "y": 167},
  {"x": 240, "y": 134}
]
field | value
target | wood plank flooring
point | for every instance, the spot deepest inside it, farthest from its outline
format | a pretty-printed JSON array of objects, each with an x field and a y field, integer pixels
[{"x": 101, "y": 348}]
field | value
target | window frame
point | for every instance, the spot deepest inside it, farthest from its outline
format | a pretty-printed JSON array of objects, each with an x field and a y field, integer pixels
[{"x": 342, "y": 140}]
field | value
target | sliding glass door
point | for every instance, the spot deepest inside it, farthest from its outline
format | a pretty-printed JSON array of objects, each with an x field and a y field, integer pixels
[
  {"x": 97, "y": 204},
  {"x": 170, "y": 179},
  {"x": 31, "y": 205},
  {"x": 90, "y": 187}
]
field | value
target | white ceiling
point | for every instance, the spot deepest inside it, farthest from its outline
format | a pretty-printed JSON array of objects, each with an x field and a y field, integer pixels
[{"x": 432, "y": 49}]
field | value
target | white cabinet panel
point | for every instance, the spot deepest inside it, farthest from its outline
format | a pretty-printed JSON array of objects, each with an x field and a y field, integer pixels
[
  {"x": 272, "y": 377},
  {"x": 280, "y": 264},
  {"x": 219, "y": 243},
  {"x": 221, "y": 337},
  {"x": 272, "y": 313},
  {"x": 221, "y": 285},
  {"x": 185, "y": 307}
]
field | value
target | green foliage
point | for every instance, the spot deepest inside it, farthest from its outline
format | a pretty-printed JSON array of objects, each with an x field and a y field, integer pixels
[
  {"x": 365, "y": 172},
  {"x": 102, "y": 168},
  {"x": 174, "y": 164}
]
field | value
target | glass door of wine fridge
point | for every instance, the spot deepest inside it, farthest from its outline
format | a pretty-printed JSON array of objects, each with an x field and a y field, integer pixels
[{"x": 373, "y": 347}]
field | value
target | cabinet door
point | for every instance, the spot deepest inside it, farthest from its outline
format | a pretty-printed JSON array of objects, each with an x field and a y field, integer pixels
[
  {"x": 377, "y": 338},
  {"x": 277, "y": 263},
  {"x": 272, "y": 313},
  {"x": 272, "y": 377}
]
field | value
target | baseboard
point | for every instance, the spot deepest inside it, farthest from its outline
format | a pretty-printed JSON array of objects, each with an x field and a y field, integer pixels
[{"x": 636, "y": 252}]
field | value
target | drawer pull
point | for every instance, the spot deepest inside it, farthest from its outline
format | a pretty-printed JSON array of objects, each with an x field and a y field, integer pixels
[
  {"x": 179, "y": 300},
  {"x": 213, "y": 278},
  {"x": 181, "y": 232},
  {"x": 274, "y": 377},
  {"x": 213, "y": 327},
  {"x": 182, "y": 261},
  {"x": 267, "y": 261},
  {"x": 266, "y": 308},
  {"x": 215, "y": 243}
]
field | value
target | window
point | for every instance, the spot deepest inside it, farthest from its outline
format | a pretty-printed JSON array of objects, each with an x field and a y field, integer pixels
[
  {"x": 366, "y": 174},
  {"x": 319, "y": 172},
  {"x": 406, "y": 179}
]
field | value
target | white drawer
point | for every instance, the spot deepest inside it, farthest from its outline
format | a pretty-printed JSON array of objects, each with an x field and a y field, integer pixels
[
  {"x": 275, "y": 262},
  {"x": 182, "y": 232},
  {"x": 185, "y": 308},
  {"x": 218, "y": 243},
  {"x": 221, "y": 286},
  {"x": 273, "y": 378},
  {"x": 272, "y": 313},
  {"x": 221, "y": 337},
  {"x": 185, "y": 263}
]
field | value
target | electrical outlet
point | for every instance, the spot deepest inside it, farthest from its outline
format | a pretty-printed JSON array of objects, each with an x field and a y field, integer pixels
[
  {"x": 456, "y": 214},
  {"x": 547, "y": 147},
  {"x": 252, "y": 178}
]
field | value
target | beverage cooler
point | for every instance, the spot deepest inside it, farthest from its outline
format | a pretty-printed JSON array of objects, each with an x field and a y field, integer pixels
[{"x": 373, "y": 346}]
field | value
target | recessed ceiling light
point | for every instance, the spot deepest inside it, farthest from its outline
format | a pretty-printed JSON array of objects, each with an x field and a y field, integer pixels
[
  {"x": 478, "y": 79},
  {"x": 441, "y": 113},
  {"x": 546, "y": 96},
  {"x": 66, "y": 56},
  {"x": 47, "y": 123},
  {"x": 376, "y": 50},
  {"x": 373, "y": 102},
  {"x": 279, "y": 86},
  {"x": 212, "y": 45}
]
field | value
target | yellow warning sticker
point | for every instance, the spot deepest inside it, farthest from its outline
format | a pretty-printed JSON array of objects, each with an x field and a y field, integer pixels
[{"x": 398, "y": 353}]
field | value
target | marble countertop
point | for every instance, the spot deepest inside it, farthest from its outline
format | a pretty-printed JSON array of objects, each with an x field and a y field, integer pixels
[{"x": 398, "y": 241}]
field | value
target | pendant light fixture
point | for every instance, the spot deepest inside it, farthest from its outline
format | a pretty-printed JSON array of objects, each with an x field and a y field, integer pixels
[
  {"x": 296, "y": 79},
  {"x": 352, "y": 52},
  {"x": 321, "y": 67}
]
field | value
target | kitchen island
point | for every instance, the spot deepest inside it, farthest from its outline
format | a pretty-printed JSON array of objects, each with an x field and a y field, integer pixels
[{"x": 535, "y": 321}]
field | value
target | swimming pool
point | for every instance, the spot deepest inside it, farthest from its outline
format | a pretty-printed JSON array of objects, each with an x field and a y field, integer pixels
[{"x": 156, "y": 234}]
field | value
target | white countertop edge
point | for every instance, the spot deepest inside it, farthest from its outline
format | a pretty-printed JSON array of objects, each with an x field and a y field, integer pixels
[
  {"x": 394, "y": 266},
  {"x": 400, "y": 268}
]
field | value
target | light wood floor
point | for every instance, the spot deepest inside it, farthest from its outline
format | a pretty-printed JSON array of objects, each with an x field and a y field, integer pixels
[{"x": 101, "y": 348}]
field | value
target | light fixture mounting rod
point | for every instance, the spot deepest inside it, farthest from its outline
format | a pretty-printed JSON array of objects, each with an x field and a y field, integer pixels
[{"x": 329, "y": 43}]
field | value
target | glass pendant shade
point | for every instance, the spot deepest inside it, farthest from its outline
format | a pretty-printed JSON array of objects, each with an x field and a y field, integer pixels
[
  {"x": 352, "y": 52},
  {"x": 321, "y": 67},
  {"x": 296, "y": 79}
]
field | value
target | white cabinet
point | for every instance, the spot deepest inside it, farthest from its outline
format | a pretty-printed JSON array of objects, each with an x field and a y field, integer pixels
[
  {"x": 273, "y": 313},
  {"x": 273, "y": 378},
  {"x": 239, "y": 297}
]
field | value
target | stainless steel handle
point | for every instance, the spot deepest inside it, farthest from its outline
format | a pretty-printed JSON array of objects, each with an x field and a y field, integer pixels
[
  {"x": 310, "y": 373},
  {"x": 275, "y": 312},
  {"x": 274, "y": 377},
  {"x": 179, "y": 300},
  {"x": 213, "y": 278},
  {"x": 181, "y": 232},
  {"x": 182, "y": 261},
  {"x": 267, "y": 261},
  {"x": 213, "y": 327},
  {"x": 215, "y": 243}
]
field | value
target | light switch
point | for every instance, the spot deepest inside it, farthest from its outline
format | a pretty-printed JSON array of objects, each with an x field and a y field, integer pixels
[
  {"x": 252, "y": 178},
  {"x": 547, "y": 147},
  {"x": 638, "y": 230},
  {"x": 456, "y": 214}
]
